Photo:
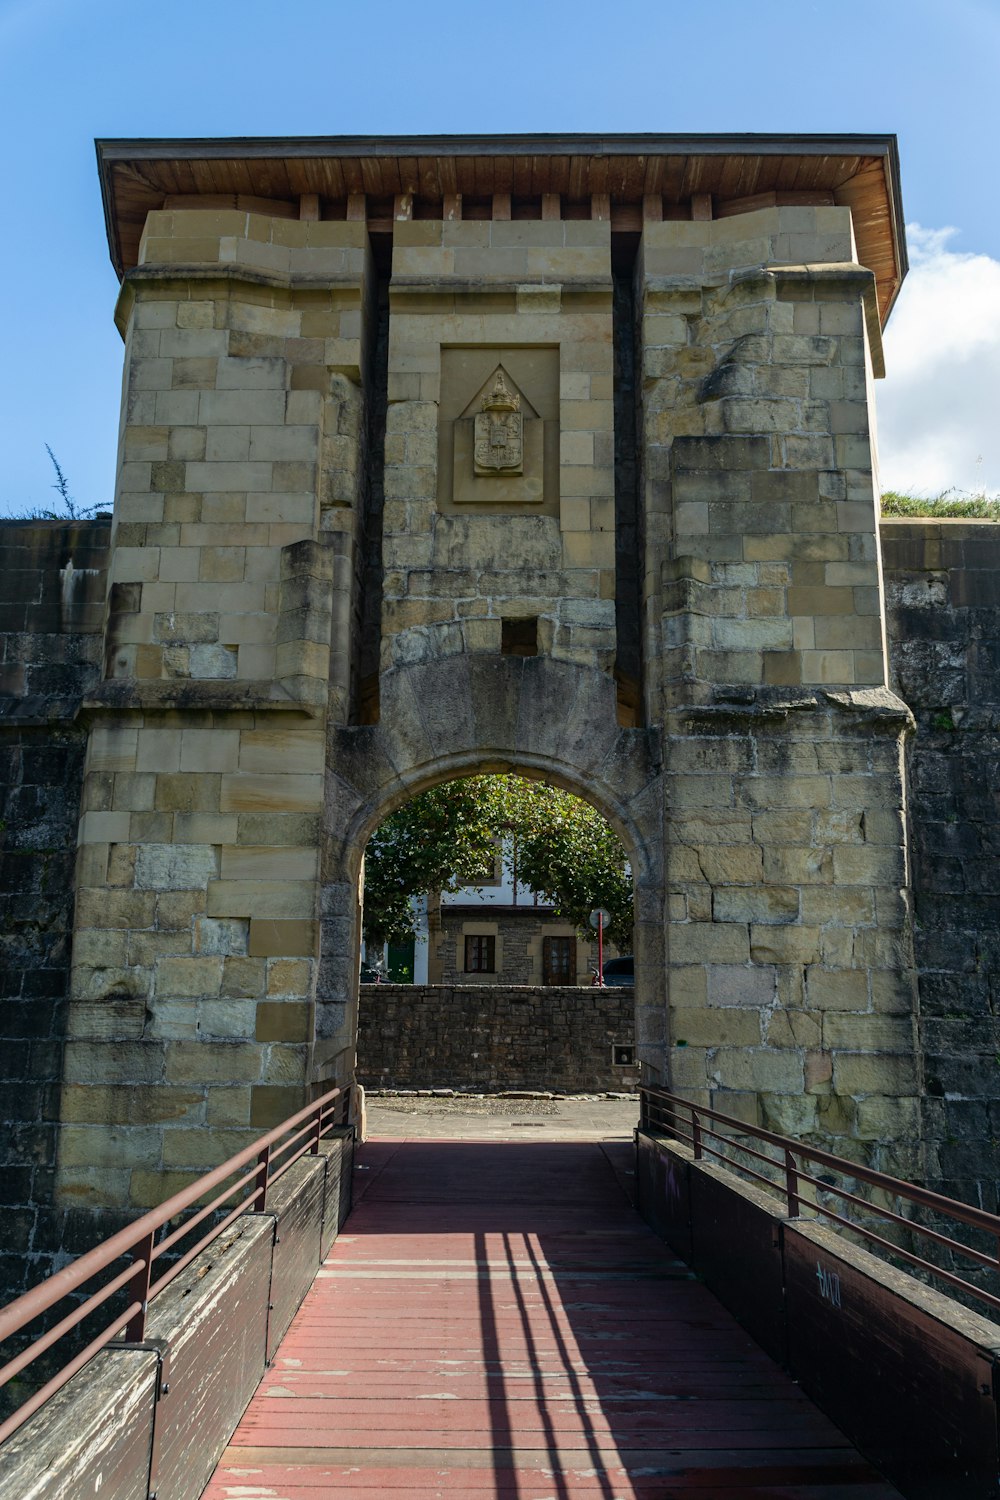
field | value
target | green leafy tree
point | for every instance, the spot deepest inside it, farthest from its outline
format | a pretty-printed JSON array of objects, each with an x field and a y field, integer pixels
[
  {"x": 425, "y": 846},
  {"x": 567, "y": 852},
  {"x": 444, "y": 838}
]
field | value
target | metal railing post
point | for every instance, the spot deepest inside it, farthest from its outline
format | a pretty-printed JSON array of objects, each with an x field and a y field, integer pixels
[
  {"x": 260, "y": 1179},
  {"x": 792, "y": 1185},
  {"x": 696, "y": 1133},
  {"x": 135, "y": 1329}
]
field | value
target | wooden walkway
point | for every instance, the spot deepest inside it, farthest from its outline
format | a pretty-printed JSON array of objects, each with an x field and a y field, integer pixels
[{"x": 496, "y": 1321}]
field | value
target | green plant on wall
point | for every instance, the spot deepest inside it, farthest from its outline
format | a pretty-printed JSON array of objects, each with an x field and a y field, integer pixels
[
  {"x": 949, "y": 504},
  {"x": 68, "y": 510}
]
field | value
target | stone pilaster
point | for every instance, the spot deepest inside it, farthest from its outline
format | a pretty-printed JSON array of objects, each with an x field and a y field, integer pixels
[
  {"x": 787, "y": 934},
  {"x": 235, "y": 559}
]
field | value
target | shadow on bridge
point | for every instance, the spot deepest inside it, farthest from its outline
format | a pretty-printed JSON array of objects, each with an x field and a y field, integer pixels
[{"x": 496, "y": 1320}]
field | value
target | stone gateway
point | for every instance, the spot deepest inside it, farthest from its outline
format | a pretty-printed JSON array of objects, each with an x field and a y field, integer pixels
[{"x": 448, "y": 456}]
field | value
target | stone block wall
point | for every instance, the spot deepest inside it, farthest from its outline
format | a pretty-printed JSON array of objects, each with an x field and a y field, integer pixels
[
  {"x": 943, "y": 611},
  {"x": 236, "y": 764},
  {"x": 519, "y": 934},
  {"x": 463, "y": 555},
  {"x": 495, "y": 1037},
  {"x": 790, "y": 983},
  {"x": 790, "y": 975},
  {"x": 52, "y": 577},
  {"x": 760, "y": 500},
  {"x": 238, "y": 545}
]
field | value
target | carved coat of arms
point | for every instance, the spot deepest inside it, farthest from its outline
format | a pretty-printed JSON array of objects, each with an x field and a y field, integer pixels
[{"x": 499, "y": 431}]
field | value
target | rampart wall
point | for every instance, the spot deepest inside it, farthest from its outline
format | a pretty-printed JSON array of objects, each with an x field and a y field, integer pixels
[
  {"x": 943, "y": 602},
  {"x": 493, "y": 1037},
  {"x": 943, "y": 613},
  {"x": 52, "y": 587}
]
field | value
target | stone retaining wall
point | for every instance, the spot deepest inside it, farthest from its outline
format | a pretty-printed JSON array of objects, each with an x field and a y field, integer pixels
[
  {"x": 943, "y": 613},
  {"x": 52, "y": 579},
  {"x": 494, "y": 1037}
]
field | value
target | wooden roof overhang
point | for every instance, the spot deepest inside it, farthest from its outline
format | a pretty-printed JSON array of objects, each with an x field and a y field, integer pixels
[{"x": 860, "y": 171}]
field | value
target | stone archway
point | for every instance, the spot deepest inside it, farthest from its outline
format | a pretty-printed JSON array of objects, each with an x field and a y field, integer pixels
[{"x": 464, "y": 715}]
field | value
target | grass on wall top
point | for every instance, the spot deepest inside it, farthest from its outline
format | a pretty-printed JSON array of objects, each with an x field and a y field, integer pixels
[{"x": 949, "y": 503}]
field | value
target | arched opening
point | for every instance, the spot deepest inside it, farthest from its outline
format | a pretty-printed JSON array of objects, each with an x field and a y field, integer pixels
[
  {"x": 465, "y": 717},
  {"x": 491, "y": 905}
]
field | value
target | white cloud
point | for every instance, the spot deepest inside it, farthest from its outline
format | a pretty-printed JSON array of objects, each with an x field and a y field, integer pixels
[{"x": 939, "y": 406}]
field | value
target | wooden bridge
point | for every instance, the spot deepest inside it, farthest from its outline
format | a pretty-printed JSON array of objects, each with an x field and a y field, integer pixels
[{"x": 496, "y": 1320}]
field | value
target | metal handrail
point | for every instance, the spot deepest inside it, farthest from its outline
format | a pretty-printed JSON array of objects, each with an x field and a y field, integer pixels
[
  {"x": 693, "y": 1124},
  {"x": 138, "y": 1240}
]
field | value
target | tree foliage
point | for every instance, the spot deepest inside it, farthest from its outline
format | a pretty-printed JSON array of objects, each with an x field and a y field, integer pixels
[
  {"x": 568, "y": 853},
  {"x": 423, "y": 847},
  {"x": 444, "y": 838}
]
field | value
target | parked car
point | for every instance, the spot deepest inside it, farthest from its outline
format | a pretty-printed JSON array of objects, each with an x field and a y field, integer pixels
[{"x": 620, "y": 970}]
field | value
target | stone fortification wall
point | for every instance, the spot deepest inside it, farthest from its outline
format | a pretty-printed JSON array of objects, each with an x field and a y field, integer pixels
[
  {"x": 494, "y": 1037},
  {"x": 944, "y": 631},
  {"x": 241, "y": 746},
  {"x": 943, "y": 610},
  {"x": 51, "y": 611}
]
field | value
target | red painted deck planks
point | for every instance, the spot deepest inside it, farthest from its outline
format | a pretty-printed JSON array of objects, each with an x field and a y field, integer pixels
[{"x": 496, "y": 1322}]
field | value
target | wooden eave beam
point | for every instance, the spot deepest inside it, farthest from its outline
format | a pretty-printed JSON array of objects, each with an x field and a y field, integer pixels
[{"x": 861, "y": 171}]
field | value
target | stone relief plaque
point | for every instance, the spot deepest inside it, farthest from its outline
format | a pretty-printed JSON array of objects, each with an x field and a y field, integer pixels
[
  {"x": 498, "y": 434},
  {"x": 498, "y": 440}
]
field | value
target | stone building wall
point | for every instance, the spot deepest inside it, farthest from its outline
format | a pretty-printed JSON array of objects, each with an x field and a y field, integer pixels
[
  {"x": 464, "y": 553},
  {"x": 943, "y": 614},
  {"x": 52, "y": 576},
  {"x": 238, "y": 544},
  {"x": 495, "y": 1037},
  {"x": 787, "y": 944},
  {"x": 519, "y": 935},
  {"x": 235, "y": 765},
  {"x": 945, "y": 648}
]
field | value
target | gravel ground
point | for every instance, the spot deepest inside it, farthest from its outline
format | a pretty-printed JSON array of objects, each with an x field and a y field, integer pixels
[{"x": 500, "y": 1116}]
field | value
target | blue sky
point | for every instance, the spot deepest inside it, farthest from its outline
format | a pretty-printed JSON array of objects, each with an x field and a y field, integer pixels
[{"x": 70, "y": 71}]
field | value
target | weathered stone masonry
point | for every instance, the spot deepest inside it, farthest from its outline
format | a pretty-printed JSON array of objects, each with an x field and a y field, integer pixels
[
  {"x": 286, "y": 659},
  {"x": 943, "y": 612},
  {"x": 943, "y": 615},
  {"x": 495, "y": 1036},
  {"x": 52, "y": 585}
]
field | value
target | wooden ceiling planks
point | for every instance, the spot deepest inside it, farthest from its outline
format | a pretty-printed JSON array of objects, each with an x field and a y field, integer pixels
[
  {"x": 738, "y": 177},
  {"x": 578, "y": 182},
  {"x": 862, "y": 172},
  {"x": 541, "y": 177},
  {"x": 598, "y": 173},
  {"x": 522, "y": 172},
  {"x": 429, "y": 177},
  {"x": 558, "y": 172},
  {"x": 485, "y": 177},
  {"x": 219, "y": 175},
  {"x": 872, "y": 212},
  {"x": 243, "y": 179},
  {"x": 503, "y": 174}
]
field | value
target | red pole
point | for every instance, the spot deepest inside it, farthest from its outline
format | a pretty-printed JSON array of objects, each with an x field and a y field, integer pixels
[{"x": 600, "y": 952}]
